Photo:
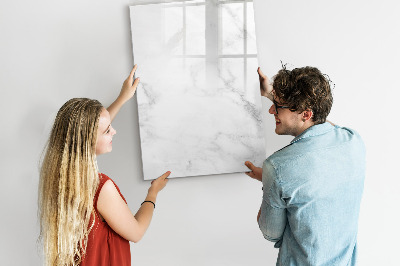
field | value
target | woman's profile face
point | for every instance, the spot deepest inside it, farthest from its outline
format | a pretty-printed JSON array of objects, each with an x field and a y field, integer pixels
[{"x": 105, "y": 133}]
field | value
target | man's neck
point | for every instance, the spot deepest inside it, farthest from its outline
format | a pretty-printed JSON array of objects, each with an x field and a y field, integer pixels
[{"x": 303, "y": 128}]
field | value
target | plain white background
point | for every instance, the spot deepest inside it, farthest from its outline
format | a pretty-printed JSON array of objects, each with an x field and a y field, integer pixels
[{"x": 51, "y": 51}]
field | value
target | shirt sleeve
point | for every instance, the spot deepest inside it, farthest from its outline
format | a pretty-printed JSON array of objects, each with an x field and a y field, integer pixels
[{"x": 273, "y": 219}]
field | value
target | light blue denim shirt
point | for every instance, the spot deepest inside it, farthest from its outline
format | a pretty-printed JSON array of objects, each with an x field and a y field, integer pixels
[{"x": 311, "y": 197}]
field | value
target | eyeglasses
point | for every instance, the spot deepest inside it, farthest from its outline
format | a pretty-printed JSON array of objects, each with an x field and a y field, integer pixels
[{"x": 278, "y": 106}]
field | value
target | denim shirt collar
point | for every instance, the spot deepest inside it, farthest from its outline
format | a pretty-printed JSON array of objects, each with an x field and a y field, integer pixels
[{"x": 314, "y": 131}]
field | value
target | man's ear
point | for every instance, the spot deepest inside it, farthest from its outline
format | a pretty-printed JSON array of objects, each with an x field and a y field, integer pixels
[{"x": 306, "y": 115}]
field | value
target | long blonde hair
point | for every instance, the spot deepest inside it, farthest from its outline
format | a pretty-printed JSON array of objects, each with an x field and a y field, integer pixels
[{"x": 68, "y": 182}]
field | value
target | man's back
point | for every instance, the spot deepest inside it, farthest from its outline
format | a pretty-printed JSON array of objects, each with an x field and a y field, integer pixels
[{"x": 313, "y": 188}]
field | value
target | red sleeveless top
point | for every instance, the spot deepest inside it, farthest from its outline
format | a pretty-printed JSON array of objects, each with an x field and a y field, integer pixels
[{"x": 104, "y": 246}]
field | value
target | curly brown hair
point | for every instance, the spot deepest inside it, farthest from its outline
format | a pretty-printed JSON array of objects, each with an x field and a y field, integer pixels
[{"x": 304, "y": 88}]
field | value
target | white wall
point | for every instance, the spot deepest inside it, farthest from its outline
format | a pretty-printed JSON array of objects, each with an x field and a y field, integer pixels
[{"x": 51, "y": 51}]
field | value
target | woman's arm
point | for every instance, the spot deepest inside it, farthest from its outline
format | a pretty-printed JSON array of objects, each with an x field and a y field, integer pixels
[
  {"x": 119, "y": 217},
  {"x": 127, "y": 92}
]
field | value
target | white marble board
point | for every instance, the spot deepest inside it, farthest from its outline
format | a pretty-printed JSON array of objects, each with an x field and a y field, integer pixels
[{"x": 198, "y": 100}]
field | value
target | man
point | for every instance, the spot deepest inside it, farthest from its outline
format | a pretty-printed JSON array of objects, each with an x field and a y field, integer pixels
[{"x": 312, "y": 187}]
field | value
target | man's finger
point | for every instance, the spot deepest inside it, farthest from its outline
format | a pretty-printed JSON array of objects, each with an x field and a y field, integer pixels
[
  {"x": 260, "y": 72},
  {"x": 249, "y": 165},
  {"x": 251, "y": 174}
]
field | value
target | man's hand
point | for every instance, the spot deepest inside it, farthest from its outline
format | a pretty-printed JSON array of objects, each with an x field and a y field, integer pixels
[
  {"x": 256, "y": 172},
  {"x": 265, "y": 87}
]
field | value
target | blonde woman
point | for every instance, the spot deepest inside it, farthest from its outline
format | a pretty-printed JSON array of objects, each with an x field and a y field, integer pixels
[{"x": 84, "y": 219}]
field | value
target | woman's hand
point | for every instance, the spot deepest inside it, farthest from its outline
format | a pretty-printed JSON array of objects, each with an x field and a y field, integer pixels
[
  {"x": 127, "y": 92},
  {"x": 158, "y": 184},
  {"x": 265, "y": 87},
  {"x": 129, "y": 86}
]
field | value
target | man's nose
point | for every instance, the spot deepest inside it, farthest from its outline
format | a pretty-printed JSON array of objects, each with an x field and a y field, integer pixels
[{"x": 272, "y": 110}]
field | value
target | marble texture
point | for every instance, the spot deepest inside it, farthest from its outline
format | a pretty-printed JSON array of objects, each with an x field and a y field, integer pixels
[{"x": 198, "y": 100}]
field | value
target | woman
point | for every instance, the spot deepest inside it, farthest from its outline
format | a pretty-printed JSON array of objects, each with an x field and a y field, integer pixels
[{"x": 84, "y": 219}]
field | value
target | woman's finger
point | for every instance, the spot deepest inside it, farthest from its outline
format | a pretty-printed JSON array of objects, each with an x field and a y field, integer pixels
[
  {"x": 165, "y": 175},
  {"x": 133, "y": 71},
  {"x": 136, "y": 82}
]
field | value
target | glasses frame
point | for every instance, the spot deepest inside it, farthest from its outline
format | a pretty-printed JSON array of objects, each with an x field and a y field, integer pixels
[{"x": 279, "y": 106}]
